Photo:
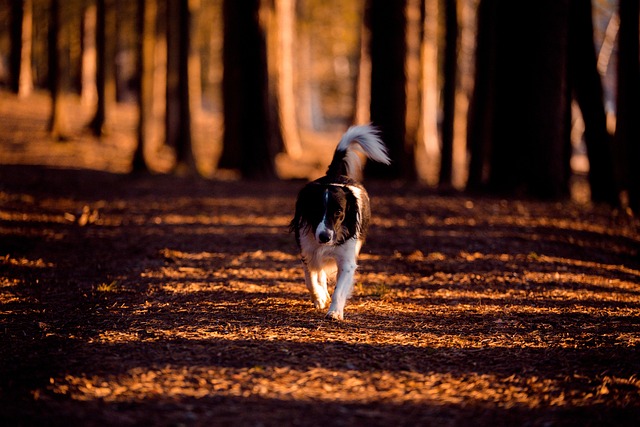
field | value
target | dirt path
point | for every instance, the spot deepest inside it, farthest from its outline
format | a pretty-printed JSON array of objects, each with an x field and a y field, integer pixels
[
  {"x": 163, "y": 301},
  {"x": 172, "y": 302}
]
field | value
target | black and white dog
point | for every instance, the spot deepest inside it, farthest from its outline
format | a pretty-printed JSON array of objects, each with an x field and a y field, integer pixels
[{"x": 332, "y": 216}]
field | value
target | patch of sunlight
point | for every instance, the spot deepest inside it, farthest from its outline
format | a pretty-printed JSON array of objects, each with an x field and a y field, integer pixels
[
  {"x": 452, "y": 305},
  {"x": 116, "y": 337},
  {"x": 225, "y": 220},
  {"x": 224, "y": 230},
  {"x": 170, "y": 253},
  {"x": 107, "y": 287},
  {"x": 574, "y": 285},
  {"x": 24, "y": 262},
  {"x": 317, "y": 384},
  {"x": 267, "y": 255},
  {"x": 33, "y": 217},
  {"x": 191, "y": 287},
  {"x": 588, "y": 264}
]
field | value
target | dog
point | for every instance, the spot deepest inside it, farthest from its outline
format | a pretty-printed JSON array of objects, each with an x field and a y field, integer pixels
[{"x": 332, "y": 216}]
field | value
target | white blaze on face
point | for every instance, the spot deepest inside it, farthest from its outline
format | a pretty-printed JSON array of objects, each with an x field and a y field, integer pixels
[{"x": 324, "y": 234}]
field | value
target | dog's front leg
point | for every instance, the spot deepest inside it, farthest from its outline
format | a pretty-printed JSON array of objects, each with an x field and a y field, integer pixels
[
  {"x": 316, "y": 281},
  {"x": 344, "y": 287}
]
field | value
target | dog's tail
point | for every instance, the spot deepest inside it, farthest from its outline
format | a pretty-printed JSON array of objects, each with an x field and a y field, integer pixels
[{"x": 364, "y": 139}]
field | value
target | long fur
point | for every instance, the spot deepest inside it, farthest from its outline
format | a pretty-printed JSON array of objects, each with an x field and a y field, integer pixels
[{"x": 332, "y": 216}]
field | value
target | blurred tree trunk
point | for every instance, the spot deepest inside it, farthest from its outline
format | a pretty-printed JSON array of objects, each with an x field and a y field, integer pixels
[
  {"x": 362, "y": 113},
  {"x": 89, "y": 62},
  {"x": 105, "y": 68},
  {"x": 413, "y": 88},
  {"x": 194, "y": 61},
  {"x": 270, "y": 21},
  {"x": 587, "y": 89},
  {"x": 430, "y": 149},
  {"x": 522, "y": 83},
  {"x": 246, "y": 142},
  {"x": 172, "y": 116},
  {"x": 480, "y": 123},
  {"x": 148, "y": 14},
  {"x": 387, "y": 23},
  {"x": 182, "y": 17},
  {"x": 25, "y": 83},
  {"x": 58, "y": 69},
  {"x": 21, "y": 35},
  {"x": 15, "y": 37},
  {"x": 285, "y": 17},
  {"x": 628, "y": 119},
  {"x": 449, "y": 91}
]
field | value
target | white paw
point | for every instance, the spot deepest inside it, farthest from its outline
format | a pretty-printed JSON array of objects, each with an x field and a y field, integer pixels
[
  {"x": 322, "y": 301},
  {"x": 334, "y": 315}
]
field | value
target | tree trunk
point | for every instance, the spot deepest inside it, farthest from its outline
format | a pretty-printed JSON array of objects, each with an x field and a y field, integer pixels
[
  {"x": 449, "y": 91},
  {"x": 587, "y": 89},
  {"x": 105, "y": 73},
  {"x": 89, "y": 62},
  {"x": 246, "y": 140},
  {"x": 628, "y": 120},
  {"x": 413, "y": 88},
  {"x": 21, "y": 46},
  {"x": 186, "y": 14},
  {"x": 430, "y": 92},
  {"x": 285, "y": 14},
  {"x": 148, "y": 14},
  {"x": 172, "y": 117},
  {"x": 480, "y": 122},
  {"x": 387, "y": 22},
  {"x": 15, "y": 37},
  {"x": 363, "y": 91},
  {"x": 58, "y": 69},
  {"x": 528, "y": 125}
]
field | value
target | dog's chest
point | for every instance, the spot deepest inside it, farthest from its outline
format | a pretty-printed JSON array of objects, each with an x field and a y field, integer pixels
[{"x": 318, "y": 256}]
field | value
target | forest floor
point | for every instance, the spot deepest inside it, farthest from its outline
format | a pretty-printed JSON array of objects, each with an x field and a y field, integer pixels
[{"x": 157, "y": 300}]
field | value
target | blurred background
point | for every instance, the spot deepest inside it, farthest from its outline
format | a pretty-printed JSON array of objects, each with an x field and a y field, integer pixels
[{"x": 536, "y": 99}]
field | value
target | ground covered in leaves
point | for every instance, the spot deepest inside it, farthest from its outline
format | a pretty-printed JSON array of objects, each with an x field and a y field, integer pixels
[{"x": 156, "y": 300}]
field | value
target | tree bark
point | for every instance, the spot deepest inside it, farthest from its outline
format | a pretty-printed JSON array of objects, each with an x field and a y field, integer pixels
[
  {"x": 628, "y": 119},
  {"x": 587, "y": 89},
  {"x": 246, "y": 141},
  {"x": 524, "y": 74},
  {"x": 58, "y": 69},
  {"x": 285, "y": 13},
  {"x": 148, "y": 13},
  {"x": 89, "y": 91},
  {"x": 188, "y": 84},
  {"x": 480, "y": 122},
  {"x": 362, "y": 113},
  {"x": 413, "y": 87},
  {"x": 449, "y": 91},
  {"x": 430, "y": 92},
  {"x": 21, "y": 47},
  {"x": 387, "y": 22},
  {"x": 105, "y": 73}
]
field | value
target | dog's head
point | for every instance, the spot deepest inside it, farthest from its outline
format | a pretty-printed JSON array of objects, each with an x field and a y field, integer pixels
[{"x": 330, "y": 212}]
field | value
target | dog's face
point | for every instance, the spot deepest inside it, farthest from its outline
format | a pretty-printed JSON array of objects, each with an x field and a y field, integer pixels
[
  {"x": 334, "y": 201},
  {"x": 329, "y": 212}
]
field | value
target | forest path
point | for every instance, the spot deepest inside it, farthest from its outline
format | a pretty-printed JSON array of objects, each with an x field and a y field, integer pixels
[{"x": 155, "y": 300}]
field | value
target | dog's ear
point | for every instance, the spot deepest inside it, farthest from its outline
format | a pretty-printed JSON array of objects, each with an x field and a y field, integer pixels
[{"x": 306, "y": 207}]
